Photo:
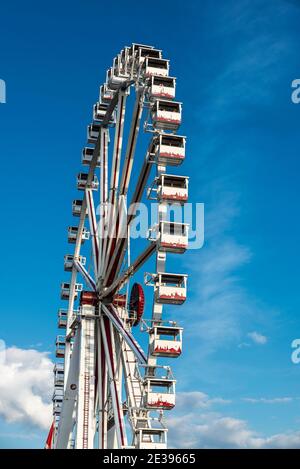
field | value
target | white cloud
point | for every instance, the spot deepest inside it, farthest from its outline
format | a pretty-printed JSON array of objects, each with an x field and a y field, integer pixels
[
  {"x": 244, "y": 345},
  {"x": 203, "y": 428},
  {"x": 258, "y": 338},
  {"x": 264, "y": 400},
  {"x": 197, "y": 400},
  {"x": 26, "y": 386}
]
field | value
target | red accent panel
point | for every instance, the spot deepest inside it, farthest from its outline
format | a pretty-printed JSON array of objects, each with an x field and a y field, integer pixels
[
  {"x": 167, "y": 350},
  {"x": 174, "y": 245},
  {"x": 49, "y": 440},
  {"x": 119, "y": 300},
  {"x": 136, "y": 303},
  {"x": 88, "y": 298},
  {"x": 161, "y": 405},
  {"x": 171, "y": 155},
  {"x": 111, "y": 356}
]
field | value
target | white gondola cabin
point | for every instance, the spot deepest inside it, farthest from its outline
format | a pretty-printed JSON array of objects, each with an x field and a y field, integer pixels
[
  {"x": 133, "y": 52},
  {"x": 105, "y": 95},
  {"x": 57, "y": 400},
  {"x": 93, "y": 133},
  {"x": 172, "y": 188},
  {"x": 56, "y": 419},
  {"x": 124, "y": 61},
  {"x": 82, "y": 182},
  {"x": 162, "y": 87},
  {"x": 62, "y": 318},
  {"x": 165, "y": 341},
  {"x": 60, "y": 346},
  {"x": 68, "y": 262},
  {"x": 170, "y": 236},
  {"x": 159, "y": 393},
  {"x": 151, "y": 438},
  {"x": 99, "y": 113},
  {"x": 57, "y": 408},
  {"x": 135, "y": 47},
  {"x": 58, "y": 372},
  {"x": 65, "y": 290},
  {"x": 158, "y": 67},
  {"x": 72, "y": 234},
  {"x": 114, "y": 77},
  {"x": 145, "y": 52},
  {"x": 170, "y": 288},
  {"x": 166, "y": 115},
  {"x": 76, "y": 208},
  {"x": 87, "y": 156},
  {"x": 168, "y": 149}
]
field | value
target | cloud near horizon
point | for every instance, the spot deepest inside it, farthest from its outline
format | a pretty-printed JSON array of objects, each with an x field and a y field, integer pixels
[
  {"x": 258, "y": 338},
  {"x": 26, "y": 387},
  {"x": 202, "y": 427}
]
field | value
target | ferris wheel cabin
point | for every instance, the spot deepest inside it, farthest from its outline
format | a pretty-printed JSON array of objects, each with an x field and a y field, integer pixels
[
  {"x": 82, "y": 179},
  {"x": 65, "y": 290},
  {"x": 170, "y": 236},
  {"x": 105, "y": 95},
  {"x": 114, "y": 78},
  {"x": 132, "y": 54},
  {"x": 159, "y": 393},
  {"x": 166, "y": 341},
  {"x": 87, "y": 156},
  {"x": 73, "y": 232},
  {"x": 58, "y": 372},
  {"x": 99, "y": 113},
  {"x": 168, "y": 149},
  {"x": 173, "y": 237},
  {"x": 68, "y": 262},
  {"x": 60, "y": 346},
  {"x": 171, "y": 188},
  {"x": 135, "y": 47},
  {"x": 57, "y": 399},
  {"x": 162, "y": 87},
  {"x": 62, "y": 318},
  {"x": 93, "y": 133},
  {"x": 123, "y": 59},
  {"x": 145, "y": 52},
  {"x": 152, "y": 66},
  {"x": 76, "y": 208},
  {"x": 166, "y": 115},
  {"x": 151, "y": 438},
  {"x": 170, "y": 288}
]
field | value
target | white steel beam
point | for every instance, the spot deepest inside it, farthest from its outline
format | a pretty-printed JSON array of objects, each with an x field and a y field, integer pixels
[
  {"x": 104, "y": 136},
  {"x": 102, "y": 390},
  {"x": 93, "y": 228},
  {"x": 114, "y": 180},
  {"x": 87, "y": 277},
  {"x": 117, "y": 407},
  {"x": 85, "y": 417},
  {"x": 66, "y": 422}
]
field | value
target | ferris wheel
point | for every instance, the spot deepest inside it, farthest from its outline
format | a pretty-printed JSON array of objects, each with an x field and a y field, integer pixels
[{"x": 109, "y": 391}]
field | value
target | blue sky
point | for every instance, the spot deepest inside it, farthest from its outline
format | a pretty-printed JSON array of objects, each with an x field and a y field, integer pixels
[{"x": 235, "y": 62}]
